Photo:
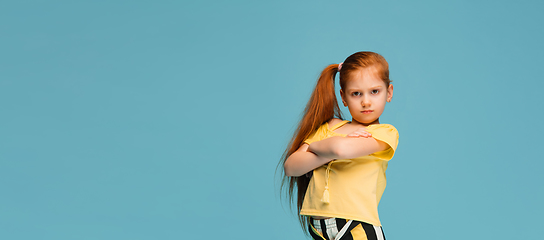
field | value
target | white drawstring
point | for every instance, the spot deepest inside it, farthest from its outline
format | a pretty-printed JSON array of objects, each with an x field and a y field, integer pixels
[{"x": 326, "y": 197}]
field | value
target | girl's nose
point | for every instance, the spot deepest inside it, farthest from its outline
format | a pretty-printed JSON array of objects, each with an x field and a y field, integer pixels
[{"x": 366, "y": 101}]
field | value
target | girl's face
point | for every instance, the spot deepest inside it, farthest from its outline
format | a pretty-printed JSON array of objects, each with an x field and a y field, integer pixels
[{"x": 365, "y": 95}]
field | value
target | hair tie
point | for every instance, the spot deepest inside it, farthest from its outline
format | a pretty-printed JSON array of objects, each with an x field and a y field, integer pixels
[{"x": 340, "y": 66}]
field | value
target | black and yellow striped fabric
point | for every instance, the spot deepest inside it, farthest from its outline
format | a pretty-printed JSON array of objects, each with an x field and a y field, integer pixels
[{"x": 355, "y": 231}]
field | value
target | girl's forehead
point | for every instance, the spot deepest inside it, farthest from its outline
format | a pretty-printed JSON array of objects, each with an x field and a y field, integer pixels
[
  {"x": 364, "y": 78},
  {"x": 365, "y": 72}
]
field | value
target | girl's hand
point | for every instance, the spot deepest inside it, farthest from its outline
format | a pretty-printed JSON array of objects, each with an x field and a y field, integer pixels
[{"x": 361, "y": 132}]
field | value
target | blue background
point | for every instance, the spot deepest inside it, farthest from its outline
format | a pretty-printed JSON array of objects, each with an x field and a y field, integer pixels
[{"x": 166, "y": 119}]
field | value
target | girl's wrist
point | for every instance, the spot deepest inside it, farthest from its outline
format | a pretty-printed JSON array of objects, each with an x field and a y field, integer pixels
[
  {"x": 311, "y": 148},
  {"x": 317, "y": 149}
]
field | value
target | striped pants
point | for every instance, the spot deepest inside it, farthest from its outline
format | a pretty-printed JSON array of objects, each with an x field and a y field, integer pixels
[{"x": 342, "y": 229}]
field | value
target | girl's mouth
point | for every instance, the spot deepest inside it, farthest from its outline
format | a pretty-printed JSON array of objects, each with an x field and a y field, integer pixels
[{"x": 367, "y": 111}]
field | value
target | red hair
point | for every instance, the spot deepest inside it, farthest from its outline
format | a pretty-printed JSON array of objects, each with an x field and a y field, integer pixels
[{"x": 321, "y": 108}]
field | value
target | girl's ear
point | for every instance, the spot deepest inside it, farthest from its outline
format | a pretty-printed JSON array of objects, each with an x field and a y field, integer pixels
[
  {"x": 389, "y": 92},
  {"x": 343, "y": 100}
]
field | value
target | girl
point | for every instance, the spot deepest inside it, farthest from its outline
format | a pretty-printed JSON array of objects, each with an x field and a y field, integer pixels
[{"x": 337, "y": 167}]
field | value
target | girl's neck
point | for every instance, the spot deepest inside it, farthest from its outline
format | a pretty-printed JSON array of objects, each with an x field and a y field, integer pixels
[{"x": 355, "y": 122}]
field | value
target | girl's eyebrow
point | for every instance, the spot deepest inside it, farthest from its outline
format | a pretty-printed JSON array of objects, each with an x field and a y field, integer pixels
[{"x": 358, "y": 89}]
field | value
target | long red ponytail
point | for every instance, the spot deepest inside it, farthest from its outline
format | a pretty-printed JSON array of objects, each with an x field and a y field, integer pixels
[{"x": 321, "y": 108}]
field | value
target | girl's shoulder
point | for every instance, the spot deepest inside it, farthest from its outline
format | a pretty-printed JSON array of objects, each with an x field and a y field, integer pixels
[
  {"x": 333, "y": 122},
  {"x": 325, "y": 130},
  {"x": 383, "y": 129}
]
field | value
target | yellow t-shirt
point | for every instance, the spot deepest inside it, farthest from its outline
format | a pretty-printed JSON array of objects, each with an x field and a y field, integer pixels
[{"x": 355, "y": 186}]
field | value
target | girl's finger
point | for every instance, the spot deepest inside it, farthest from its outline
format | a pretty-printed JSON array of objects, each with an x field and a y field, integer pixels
[
  {"x": 359, "y": 134},
  {"x": 366, "y": 134}
]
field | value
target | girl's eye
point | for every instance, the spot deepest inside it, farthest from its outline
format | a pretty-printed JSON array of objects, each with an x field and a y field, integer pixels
[
  {"x": 375, "y": 91},
  {"x": 356, "y": 94}
]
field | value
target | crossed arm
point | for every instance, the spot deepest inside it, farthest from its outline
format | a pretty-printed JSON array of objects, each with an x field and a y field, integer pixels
[{"x": 309, "y": 157}]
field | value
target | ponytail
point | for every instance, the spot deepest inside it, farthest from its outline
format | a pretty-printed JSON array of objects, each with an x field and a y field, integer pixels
[{"x": 321, "y": 108}]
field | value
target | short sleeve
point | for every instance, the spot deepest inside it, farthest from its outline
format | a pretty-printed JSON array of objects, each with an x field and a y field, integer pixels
[
  {"x": 318, "y": 134},
  {"x": 388, "y": 134}
]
